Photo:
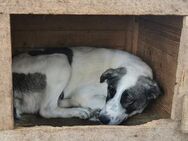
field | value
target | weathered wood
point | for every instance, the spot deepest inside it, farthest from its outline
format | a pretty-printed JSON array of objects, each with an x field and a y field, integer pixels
[
  {"x": 29, "y": 39},
  {"x": 161, "y": 36},
  {"x": 70, "y": 22},
  {"x": 168, "y": 21},
  {"x": 164, "y": 72},
  {"x": 135, "y": 35},
  {"x": 181, "y": 87},
  {"x": 6, "y": 112},
  {"x": 158, "y": 130},
  {"x": 59, "y": 31},
  {"x": 184, "y": 120},
  {"x": 158, "y": 45},
  {"x": 101, "y": 7}
]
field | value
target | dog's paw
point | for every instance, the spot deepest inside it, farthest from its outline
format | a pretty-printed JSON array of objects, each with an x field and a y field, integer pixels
[
  {"x": 84, "y": 113},
  {"x": 95, "y": 115}
]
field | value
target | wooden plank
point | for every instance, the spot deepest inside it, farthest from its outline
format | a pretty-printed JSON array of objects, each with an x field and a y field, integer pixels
[
  {"x": 157, "y": 130},
  {"x": 163, "y": 30},
  {"x": 128, "y": 38},
  {"x": 165, "y": 39},
  {"x": 71, "y": 30},
  {"x": 164, "y": 71},
  {"x": 158, "y": 45},
  {"x": 6, "y": 112},
  {"x": 181, "y": 87},
  {"x": 135, "y": 36},
  {"x": 184, "y": 122},
  {"x": 69, "y": 22},
  {"x": 95, "y": 7},
  {"x": 70, "y": 38},
  {"x": 166, "y": 45},
  {"x": 169, "y": 21}
]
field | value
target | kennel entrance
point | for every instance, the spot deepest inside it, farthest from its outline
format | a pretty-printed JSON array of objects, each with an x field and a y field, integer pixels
[
  {"x": 156, "y": 39},
  {"x": 162, "y": 129}
]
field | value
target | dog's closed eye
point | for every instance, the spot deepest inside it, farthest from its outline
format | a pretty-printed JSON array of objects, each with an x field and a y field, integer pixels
[{"x": 111, "y": 92}]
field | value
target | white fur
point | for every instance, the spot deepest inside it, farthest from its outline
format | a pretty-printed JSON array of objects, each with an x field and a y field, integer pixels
[{"x": 80, "y": 81}]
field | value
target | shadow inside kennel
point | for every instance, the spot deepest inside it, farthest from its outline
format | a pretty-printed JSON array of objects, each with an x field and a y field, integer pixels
[{"x": 148, "y": 115}]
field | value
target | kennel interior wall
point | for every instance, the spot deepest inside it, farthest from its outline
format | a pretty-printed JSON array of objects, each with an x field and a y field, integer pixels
[{"x": 156, "y": 39}]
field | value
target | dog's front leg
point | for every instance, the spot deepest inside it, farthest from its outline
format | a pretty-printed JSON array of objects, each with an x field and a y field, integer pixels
[
  {"x": 82, "y": 113},
  {"x": 57, "y": 79},
  {"x": 50, "y": 109}
]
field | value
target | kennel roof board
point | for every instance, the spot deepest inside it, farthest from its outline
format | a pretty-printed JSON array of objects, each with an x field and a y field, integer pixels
[{"x": 95, "y": 7}]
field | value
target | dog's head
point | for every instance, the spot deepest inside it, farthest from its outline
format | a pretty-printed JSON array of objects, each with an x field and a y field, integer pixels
[{"x": 127, "y": 95}]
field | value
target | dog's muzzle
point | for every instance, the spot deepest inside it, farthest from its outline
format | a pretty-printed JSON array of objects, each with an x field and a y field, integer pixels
[{"x": 104, "y": 119}]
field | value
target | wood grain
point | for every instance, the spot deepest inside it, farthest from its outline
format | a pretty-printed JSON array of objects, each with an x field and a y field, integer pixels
[
  {"x": 181, "y": 87},
  {"x": 59, "y": 31},
  {"x": 158, "y": 45},
  {"x": 70, "y": 22},
  {"x": 95, "y": 7},
  {"x": 184, "y": 121},
  {"x": 6, "y": 110}
]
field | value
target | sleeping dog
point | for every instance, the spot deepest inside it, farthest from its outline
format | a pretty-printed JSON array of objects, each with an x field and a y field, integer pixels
[{"x": 70, "y": 83}]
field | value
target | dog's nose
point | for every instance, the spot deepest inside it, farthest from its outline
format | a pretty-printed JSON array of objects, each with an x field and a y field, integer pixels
[{"x": 104, "y": 119}]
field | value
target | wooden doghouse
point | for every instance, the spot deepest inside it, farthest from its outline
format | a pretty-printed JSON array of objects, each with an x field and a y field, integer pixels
[{"x": 157, "y": 31}]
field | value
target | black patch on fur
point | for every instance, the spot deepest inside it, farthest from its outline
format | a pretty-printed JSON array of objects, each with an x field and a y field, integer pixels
[
  {"x": 61, "y": 97},
  {"x": 31, "y": 82},
  {"x": 67, "y": 51},
  {"x": 111, "y": 89},
  {"x": 112, "y": 76},
  {"x": 139, "y": 96}
]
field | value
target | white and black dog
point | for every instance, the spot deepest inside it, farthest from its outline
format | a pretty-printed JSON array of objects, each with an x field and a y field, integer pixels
[{"x": 69, "y": 83}]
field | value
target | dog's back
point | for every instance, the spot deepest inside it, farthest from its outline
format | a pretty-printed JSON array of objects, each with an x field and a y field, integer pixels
[{"x": 89, "y": 63}]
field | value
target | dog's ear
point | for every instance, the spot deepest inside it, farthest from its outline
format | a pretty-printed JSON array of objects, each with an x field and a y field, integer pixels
[
  {"x": 153, "y": 89},
  {"x": 112, "y": 74},
  {"x": 154, "y": 92}
]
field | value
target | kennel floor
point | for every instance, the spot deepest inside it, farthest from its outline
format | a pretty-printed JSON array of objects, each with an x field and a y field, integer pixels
[{"x": 148, "y": 115}]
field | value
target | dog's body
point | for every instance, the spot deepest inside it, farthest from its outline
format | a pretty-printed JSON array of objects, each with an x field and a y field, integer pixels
[{"x": 68, "y": 85}]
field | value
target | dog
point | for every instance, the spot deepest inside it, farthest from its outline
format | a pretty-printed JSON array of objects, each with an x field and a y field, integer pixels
[{"x": 102, "y": 84}]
